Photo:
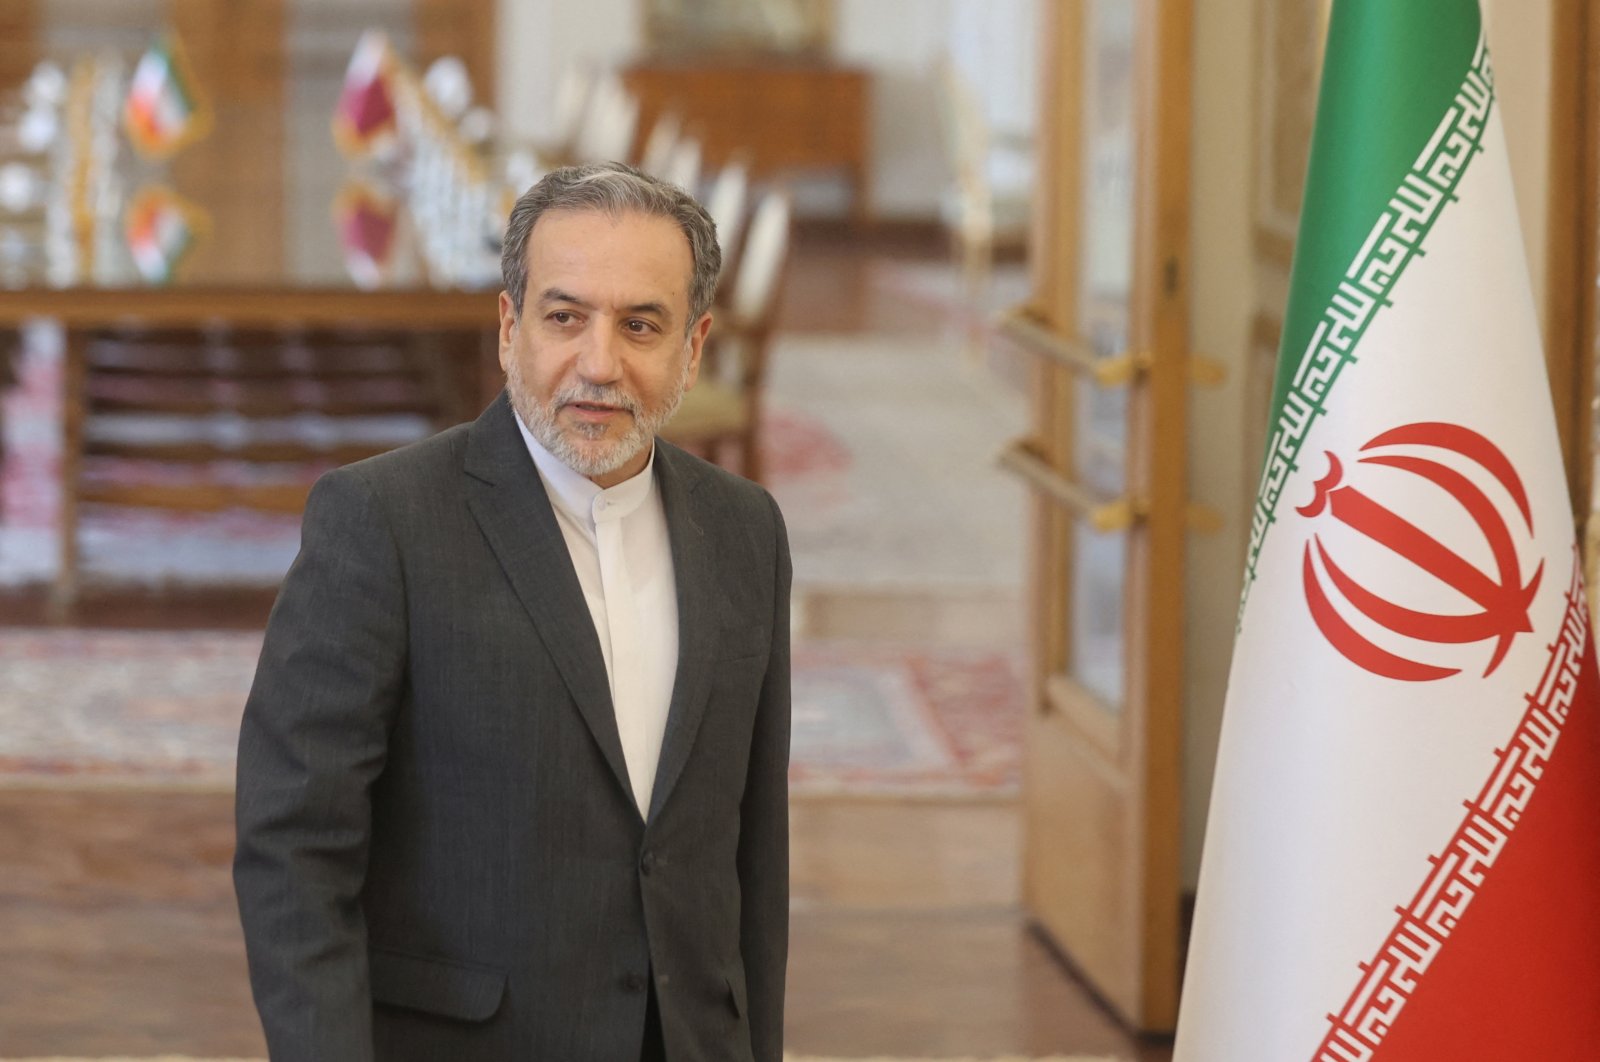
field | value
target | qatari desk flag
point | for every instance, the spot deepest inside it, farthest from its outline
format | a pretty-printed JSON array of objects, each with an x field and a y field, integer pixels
[{"x": 1403, "y": 855}]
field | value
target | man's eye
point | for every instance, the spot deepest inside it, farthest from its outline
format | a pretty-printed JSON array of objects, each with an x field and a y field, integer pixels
[
  {"x": 638, "y": 327},
  {"x": 561, "y": 317}
]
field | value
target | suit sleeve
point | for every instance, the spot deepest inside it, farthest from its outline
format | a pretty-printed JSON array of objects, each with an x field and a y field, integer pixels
[
  {"x": 312, "y": 743},
  {"x": 764, "y": 831}
]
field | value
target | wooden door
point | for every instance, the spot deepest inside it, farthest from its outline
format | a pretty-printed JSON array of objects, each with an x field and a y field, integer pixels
[
  {"x": 1572, "y": 306},
  {"x": 1108, "y": 321}
]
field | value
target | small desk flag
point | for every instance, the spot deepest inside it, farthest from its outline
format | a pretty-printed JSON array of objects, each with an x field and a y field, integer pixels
[
  {"x": 164, "y": 109},
  {"x": 161, "y": 228},
  {"x": 365, "y": 117}
]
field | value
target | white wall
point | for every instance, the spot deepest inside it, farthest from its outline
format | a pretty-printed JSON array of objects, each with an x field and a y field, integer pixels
[
  {"x": 538, "y": 38},
  {"x": 992, "y": 42},
  {"x": 995, "y": 44},
  {"x": 900, "y": 40}
]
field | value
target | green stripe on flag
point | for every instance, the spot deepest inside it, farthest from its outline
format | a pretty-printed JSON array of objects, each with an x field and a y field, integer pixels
[
  {"x": 176, "y": 84},
  {"x": 1402, "y": 84}
]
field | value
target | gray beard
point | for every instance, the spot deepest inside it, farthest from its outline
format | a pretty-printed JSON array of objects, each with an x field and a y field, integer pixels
[{"x": 567, "y": 445}]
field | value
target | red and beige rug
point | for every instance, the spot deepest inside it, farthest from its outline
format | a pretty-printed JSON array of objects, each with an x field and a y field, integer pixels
[{"x": 162, "y": 709}]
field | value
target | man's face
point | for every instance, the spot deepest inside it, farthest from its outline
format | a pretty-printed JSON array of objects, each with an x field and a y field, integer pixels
[{"x": 603, "y": 350}]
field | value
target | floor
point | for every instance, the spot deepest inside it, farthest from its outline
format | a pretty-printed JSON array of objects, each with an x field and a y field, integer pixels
[{"x": 907, "y": 937}]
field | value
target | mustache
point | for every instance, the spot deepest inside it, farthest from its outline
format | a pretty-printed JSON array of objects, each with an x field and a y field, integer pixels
[{"x": 597, "y": 394}]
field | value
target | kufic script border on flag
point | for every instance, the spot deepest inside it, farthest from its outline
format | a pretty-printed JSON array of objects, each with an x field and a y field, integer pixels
[
  {"x": 1395, "y": 240},
  {"x": 1391, "y": 977}
]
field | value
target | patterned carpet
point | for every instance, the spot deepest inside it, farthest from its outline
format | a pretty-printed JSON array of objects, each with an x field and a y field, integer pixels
[
  {"x": 921, "y": 504},
  {"x": 161, "y": 708}
]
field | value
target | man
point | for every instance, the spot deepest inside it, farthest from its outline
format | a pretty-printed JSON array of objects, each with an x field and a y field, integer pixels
[{"x": 512, "y": 775}]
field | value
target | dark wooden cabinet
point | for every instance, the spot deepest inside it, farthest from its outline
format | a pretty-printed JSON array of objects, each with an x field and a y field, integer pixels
[{"x": 784, "y": 115}]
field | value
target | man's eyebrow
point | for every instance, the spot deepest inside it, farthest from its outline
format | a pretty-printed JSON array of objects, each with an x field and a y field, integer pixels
[{"x": 557, "y": 295}]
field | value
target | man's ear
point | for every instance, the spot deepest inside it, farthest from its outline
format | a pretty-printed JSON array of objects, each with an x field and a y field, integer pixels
[
  {"x": 508, "y": 328},
  {"x": 697, "y": 344}
]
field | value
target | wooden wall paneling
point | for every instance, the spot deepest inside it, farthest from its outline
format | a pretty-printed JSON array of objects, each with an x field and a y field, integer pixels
[
  {"x": 236, "y": 174},
  {"x": 19, "y": 41},
  {"x": 463, "y": 28}
]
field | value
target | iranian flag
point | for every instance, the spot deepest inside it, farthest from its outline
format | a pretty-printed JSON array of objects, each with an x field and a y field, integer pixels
[
  {"x": 163, "y": 110},
  {"x": 1403, "y": 855},
  {"x": 159, "y": 227}
]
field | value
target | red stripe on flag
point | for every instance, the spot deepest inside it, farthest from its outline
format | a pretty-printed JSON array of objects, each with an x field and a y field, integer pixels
[{"x": 1495, "y": 958}]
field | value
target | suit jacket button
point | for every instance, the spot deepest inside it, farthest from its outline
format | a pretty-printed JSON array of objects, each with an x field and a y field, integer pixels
[
  {"x": 633, "y": 983},
  {"x": 646, "y": 862}
]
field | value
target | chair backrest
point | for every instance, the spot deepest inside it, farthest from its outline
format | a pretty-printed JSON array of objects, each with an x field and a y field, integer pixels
[
  {"x": 725, "y": 204},
  {"x": 968, "y": 205},
  {"x": 683, "y": 166},
  {"x": 608, "y": 123},
  {"x": 761, "y": 262},
  {"x": 573, "y": 89},
  {"x": 659, "y": 145}
]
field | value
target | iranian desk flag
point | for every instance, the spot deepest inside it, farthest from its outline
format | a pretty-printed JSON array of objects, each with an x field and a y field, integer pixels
[
  {"x": 1403, "y": 855},
  {"x": 164, "y": 109}
]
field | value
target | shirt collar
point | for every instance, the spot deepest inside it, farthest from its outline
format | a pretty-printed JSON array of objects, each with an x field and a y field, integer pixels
[{"x": 579, "y": 496}]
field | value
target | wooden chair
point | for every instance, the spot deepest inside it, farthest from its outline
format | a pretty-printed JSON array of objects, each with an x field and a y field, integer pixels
[
  {"x": 559, "y": 146},
  {"x": 683, "y": 165},
  {"x": 609, "y": 121},
  {"x": 725, "y": 406},
  {"x": 725, "y": 203},
  {"x": 660, "y": 144}
]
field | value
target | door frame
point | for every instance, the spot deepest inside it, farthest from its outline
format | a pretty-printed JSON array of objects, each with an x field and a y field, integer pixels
[
  {"x": 1572, "y": 253},
  {"x": 1103, "y": 791}
]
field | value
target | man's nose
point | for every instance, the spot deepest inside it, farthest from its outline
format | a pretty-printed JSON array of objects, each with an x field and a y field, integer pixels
[{"x": 598, "y": 360}]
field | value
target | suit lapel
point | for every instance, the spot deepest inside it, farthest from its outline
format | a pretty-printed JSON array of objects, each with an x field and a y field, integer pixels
[
  {"x": 508, "y": 500},
  {"x": 701, "y": 607}
]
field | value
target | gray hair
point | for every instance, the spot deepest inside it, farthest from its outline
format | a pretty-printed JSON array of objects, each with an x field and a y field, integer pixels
[{"x": 615, "y": 189}]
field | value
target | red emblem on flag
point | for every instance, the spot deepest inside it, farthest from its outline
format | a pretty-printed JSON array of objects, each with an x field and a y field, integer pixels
[{"x": 1499, "y": 599}]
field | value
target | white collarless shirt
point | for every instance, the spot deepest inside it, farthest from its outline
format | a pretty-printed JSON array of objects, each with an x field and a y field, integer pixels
[{"x": 617, "y": 537}]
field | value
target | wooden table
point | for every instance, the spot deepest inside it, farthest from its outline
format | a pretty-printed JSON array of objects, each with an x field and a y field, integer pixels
[
  {"x": 462, "y": 327},
  {"x": 269, "y": 271}
]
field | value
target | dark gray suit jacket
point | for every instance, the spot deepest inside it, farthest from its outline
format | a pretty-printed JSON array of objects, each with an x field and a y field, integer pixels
[{"x": 439, "y": 856}]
